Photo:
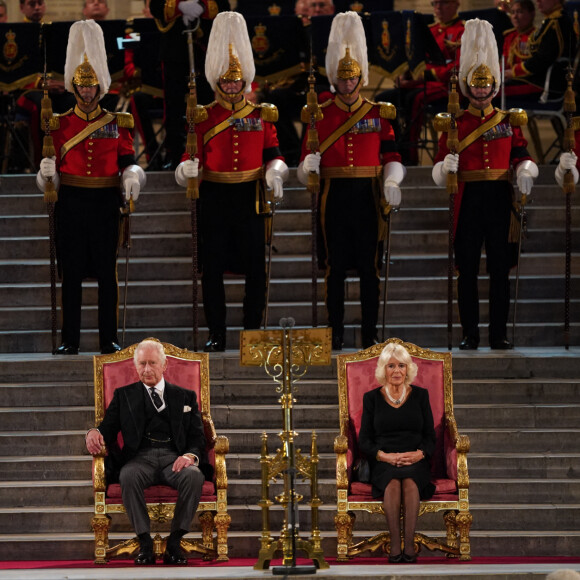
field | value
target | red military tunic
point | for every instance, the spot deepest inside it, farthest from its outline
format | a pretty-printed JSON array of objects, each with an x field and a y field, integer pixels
[
  {"x": 87, "y": 212},
  {"x": 352, "y": 226},
  {"x": 447, "y": 35},
  {"x": 235, "y": 142},
  {"x": 491, "y": 143},
  {"x": 516, "y": 46},
  {"x": 102, "y": 154}
]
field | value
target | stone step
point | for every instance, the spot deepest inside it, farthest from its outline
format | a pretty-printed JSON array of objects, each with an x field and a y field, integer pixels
[
  {"x": 247, "y": 465},
  {"x": 76, "y": 519},
  {"x": 284, "y": 267},
  {"x": 319, "y": 416},
  {"x": 282, "y": 290},
  {"x": 484, "y": 543},
  {"x": 248, "y": 491},
  {"x": 286, "y": 220},
  {"x": 431, "y": 312},
  {"x": 435, "y": 336},
  {"x": 416, "y": 242},
  {"x": 467, "y": 393}
]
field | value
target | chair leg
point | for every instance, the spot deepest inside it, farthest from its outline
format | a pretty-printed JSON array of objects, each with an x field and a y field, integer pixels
[
  {"x": 344, "y": 524},
  {"x": 101, "y": 525},
  {"x": 464, "y": 520},
  {"x": 222, "y": 523},
  {"x": 451, "y": 525},
  {"x": 206, "y": 519}
]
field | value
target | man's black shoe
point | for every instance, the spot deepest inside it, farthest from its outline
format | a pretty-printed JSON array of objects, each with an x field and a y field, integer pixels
[
  {"x": 469, "y": 343},
  {"x": 501, "y": 344},
  {"x": 145, "y": 558},
  {"x": 337, "y": 342},
  {"x": 65, "y": 348},
  {"x": 110, "y": 348},
  {"x": 174, "y": 557},
  {"x": 215, "y": 343}
]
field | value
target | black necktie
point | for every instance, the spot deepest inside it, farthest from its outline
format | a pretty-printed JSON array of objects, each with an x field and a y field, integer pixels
[{"x": 156, "y": 398}]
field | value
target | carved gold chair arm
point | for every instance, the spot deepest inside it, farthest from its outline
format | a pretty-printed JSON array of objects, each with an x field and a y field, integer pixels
[
  {"x": 99, "y": 480},
  {"x": 209, "y": 429},
  {"x": 463, "y": 444},
  {"x": 340, "y": 448},
  {"x": 222, "y": 447}
]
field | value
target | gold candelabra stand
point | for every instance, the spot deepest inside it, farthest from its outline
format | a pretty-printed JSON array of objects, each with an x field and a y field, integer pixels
[{"x": 286, "y": 355}]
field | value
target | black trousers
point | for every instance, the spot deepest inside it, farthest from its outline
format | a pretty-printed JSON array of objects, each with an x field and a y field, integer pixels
[
  {"x": 87, "y": 237},
  {"x": 484, "y": 218},
  {"x": 232, "y": 239},
  {"x": 350, "y": 227}
]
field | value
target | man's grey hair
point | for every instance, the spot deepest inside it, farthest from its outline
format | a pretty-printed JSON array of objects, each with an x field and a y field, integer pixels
[{"x": 153, "y": 344}]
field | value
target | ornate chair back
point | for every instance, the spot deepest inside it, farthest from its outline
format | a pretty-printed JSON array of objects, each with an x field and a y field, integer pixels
[
  {"x": 356, "y": 376},
  {"x": 189, "y": 370}
]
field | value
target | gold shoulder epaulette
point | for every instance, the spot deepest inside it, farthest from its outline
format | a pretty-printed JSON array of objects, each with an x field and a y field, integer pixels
[
  {"x": 387, "y": 111},
  {"x": 200, "y": 114},
  {"x": 442, "y": 122},
  {"x": 125, "y": 120},
  {"x": 576, "y": 123},
  {"x": 269, "y": 112},
  {"x": 518, "y": 117},
  {"x": 326, "y": 103}
]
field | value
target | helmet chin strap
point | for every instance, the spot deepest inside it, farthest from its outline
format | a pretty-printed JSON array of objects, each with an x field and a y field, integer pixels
[
  {"x": 82, "y": 101},
  {"x": 485, "y": 97},
  {"x": 230, "y": 97}
]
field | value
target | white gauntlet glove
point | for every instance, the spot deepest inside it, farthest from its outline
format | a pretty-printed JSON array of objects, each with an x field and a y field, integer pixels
[
  {"x": 191, "y": 9},
  {"x": 567, "y": 163},
  {"x": 48, "y": 168},
  {"x": 526, "y": 171},
  {"x": 133, "y": 180},
  {"x": 187, "y": 169},
  {"x": 450, "y": 163},
  {"x": 276, "y": 175},
  {"x": 47, "y": 171},
  {"x": 393, "y": 174},
  {"x": 312, "y": 163}
]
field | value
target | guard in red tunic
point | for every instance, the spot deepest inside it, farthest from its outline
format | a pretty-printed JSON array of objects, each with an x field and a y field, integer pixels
[
  {"x": 94, "y": 165},
  {"x": 361, "y": 173},
  {"x": 491, "y": 145},
  {"x": 237, "y": 149}
]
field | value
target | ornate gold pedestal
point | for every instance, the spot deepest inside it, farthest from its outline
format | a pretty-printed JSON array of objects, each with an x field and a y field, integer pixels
[{"x": 286, "y": 355}]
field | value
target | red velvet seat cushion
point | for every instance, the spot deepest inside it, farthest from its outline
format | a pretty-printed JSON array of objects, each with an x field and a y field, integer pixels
[
  {"x": 160, "y": 493},
  {"x": 444, "y": 489}
]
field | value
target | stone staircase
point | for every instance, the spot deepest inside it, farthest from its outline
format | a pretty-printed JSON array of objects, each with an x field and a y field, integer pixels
[
  {"x": 524, "y": 463},
  {"x": 521, "y": 408},
  {"x": 159, "y": 297}
]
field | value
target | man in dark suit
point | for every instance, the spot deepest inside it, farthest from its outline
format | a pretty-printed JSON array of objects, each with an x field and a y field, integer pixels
[{"x": 163, "y": 443}]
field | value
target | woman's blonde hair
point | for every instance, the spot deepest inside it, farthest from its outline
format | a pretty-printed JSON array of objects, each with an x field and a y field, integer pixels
[{"x": 400, "y": 353}]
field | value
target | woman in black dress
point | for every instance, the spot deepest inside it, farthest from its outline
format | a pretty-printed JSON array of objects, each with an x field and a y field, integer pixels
[{"x": 398, "y": 438}]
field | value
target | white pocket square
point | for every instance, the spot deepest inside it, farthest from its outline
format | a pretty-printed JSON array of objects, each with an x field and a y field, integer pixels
[{"x": 186, "y": 409}]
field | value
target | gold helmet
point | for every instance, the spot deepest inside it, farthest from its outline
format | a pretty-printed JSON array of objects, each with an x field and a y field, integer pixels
[
  {"x": 479, "y": 62},
  {"x": 348, "y": 67},
  {"x": 229, "y": 51},
  {"x": 85, "y": 75},
  {"x": 86, "y": 58},
  {"x": 234, "y": 72},
  {"x": 346, "y": 55}
]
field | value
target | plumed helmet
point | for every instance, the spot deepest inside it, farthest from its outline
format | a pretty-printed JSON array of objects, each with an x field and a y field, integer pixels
[
  {"x": 479, "y": 61},
  {"x": 86, "y": 58},
  {"x": 346, "y": 55},
  {"x": 229, "y": 51}
]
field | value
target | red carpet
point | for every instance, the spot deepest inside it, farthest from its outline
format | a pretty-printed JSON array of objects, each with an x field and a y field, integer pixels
[{"x": 249, "y": 562}]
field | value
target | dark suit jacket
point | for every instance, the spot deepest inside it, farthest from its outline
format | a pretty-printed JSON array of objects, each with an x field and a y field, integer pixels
[{"x": 126, "y": 414}]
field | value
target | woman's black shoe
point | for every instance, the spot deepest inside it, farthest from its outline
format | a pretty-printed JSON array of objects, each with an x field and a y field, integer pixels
[
  {"x": 396, "y": 559},
  {"x": 409, "y": 559}
]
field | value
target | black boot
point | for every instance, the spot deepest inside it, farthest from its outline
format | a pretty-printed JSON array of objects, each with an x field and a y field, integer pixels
[{"x": 215, "y": 343}]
